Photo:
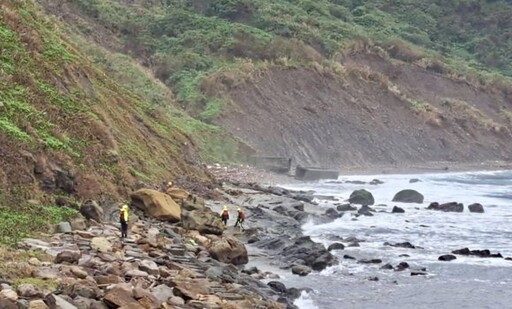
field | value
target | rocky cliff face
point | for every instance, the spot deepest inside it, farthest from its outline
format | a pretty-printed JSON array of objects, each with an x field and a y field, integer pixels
[{"x": 373, "y": 113}]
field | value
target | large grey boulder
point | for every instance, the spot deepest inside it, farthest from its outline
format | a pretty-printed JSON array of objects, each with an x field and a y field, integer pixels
[
  {"x": 361, "y": 197},
  {"x": 408, "y": 196},
  {"x": 447, "y": 207},
  {"x": 476, "y": 208}
]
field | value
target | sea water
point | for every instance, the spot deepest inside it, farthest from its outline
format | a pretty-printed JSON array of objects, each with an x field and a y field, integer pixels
[{"x": 467, "y": 282}]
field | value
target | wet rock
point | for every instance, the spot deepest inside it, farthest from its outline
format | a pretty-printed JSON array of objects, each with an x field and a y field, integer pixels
[
  {"x": 419, "y": 273},
  {"x": 414, "y": 180},
  {"x": 157, "y": 205},
  {"x": 348, "y": 257},
  {"x": 101, "y": 244},
  {"x": 64, "y": 227},
  {"x": 314, "y": 254},
  {"x": 406, "y": 245},
  {"x": 376, "y": 182},
  {"x": 404, "y": 255},
  {"x": 68, "y": 256},
  {"x": 478, "y": 208},
  {"x": 336, "y": 246},
  {"x": 299, "y": 206},
  {"x": 205, "y": 221},
  {"x": 447, "y": 207},
  {"x": 479, "y": 253},
  {"x": 56, "y": 302},
  {"x": 373, "y": 278},
  {"x": 387, "y": 267},
  {"x": 277, "y": 286},
  {"x": 402, "y": 266},
  {"x": 508, "y": 258},
  {"x": 301, "y": 270},
  {"x": 361, "y": 197},
  {"x": 370, "y": 261},
  {"x": 447, "y": 257},
  {"x": 332, "y": 213},
  {"x": 366, "y": 210},
  {"x": 345, "y": 207},
  {"x": 229, "y": 250},
  {"x": 91, "y": 210},
  {"x": 177, "y": 301},
  {"x": 408, "y": 196},
  {"x": 251, "y": 271},
  {"x": 397, "y": 210}
]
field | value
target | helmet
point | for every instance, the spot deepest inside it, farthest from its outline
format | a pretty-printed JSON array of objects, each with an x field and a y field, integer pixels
[
  {"x": 124, "y": 207},
  {"x": 169, "y": 184},
  {"x": 225, "y": 207},
  {"x": 239, "y": 209}
]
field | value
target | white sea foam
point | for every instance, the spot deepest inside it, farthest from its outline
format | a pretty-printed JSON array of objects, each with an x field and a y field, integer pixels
[{"x": 437, "y": 233}]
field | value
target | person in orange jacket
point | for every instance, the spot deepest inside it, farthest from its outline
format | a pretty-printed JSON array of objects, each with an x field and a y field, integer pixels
[
  {"x": 240, "y": 219},
  {"x": 224, "y": 215}
]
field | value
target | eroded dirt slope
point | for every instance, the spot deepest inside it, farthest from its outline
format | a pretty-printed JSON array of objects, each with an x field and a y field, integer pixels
[{"x": 374, "y": 114}]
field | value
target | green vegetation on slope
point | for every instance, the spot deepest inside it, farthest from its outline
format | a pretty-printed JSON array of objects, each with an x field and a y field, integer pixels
[{"x": 185, "y": 41}]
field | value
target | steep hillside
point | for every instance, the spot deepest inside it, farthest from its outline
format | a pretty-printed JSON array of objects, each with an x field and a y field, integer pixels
[
  {"x": 329, "y": 82},
  {"x": 67, "y": 130}
]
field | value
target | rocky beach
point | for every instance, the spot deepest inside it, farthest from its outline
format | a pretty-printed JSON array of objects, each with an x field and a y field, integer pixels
[{"x": 179, "y": 254}]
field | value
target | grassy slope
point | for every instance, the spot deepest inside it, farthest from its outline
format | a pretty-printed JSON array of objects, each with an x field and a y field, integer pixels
[
  {"x": 184, "y": 41},
  {"x": 61, "y": 115}
]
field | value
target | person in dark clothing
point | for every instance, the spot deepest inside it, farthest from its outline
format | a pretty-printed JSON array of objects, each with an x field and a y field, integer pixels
[
  {"x": 123, "y": 219},
  {"x": 240, "y": 219},
  {"x": 224, "y": 215}
]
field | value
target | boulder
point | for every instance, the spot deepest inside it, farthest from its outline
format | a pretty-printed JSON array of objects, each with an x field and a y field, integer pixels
[
  {"x": 192, "y": 203},
  {"x": 64, "y": 227},
  {"x": 480, "y": 253},
  {"x": 406, "y": 245},
  {"x": 229, "y": 250},
  {"x": 7, "y": 304},
  {"x": 120, "y": 296},
  {"x": 332, "y": 213},
  {"x": 9, "y": 294},
  {"x": 177, "y": 194},
  {"x": 414, "y": 180},
  {"x": 162, "y": 293},
  {"x": 157, "y": 205},
  {"x": 402, "y": 266},
  {"x": 150, "y": 267},
  {"x": 91, "y": 210},
  {"x": 336, "y": 246},
  {"x": 447, "y": 257},
  {"x": 366, "y": 210},
  {"x": 101, "y": 244},
  {"x": 277, "y": 286},
  {"x": 37, "y": 304},
  {"x": 205, "y": 221},
  {"x": 68, "y": 256},
  {"x": 345, "y": 207},
  {"x": 447, "y": 207},
  {"x": 478, "y": 208},
  {"x": 27, "y": 290},
  {"x": 56, "y": 302},
  {"x": 301, "y": 270},
  {"x": 370, "y": 261},
  {"x": 387, "y": 267},
  {"x": 78, "y": 224},
  {"x": 397, "y": 210},
  {"x": 376, "y": 182},
  {"x": 361, "y": 197},
  {"x": 313, "y": 254},
  {"x": 408, "y": 196}
]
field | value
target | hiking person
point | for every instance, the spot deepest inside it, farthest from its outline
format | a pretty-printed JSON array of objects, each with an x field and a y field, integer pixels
[
  {"x": 240, "y": 219},
  {"x": 224, "y": 215},
  {"x": 123, "y": 219}
]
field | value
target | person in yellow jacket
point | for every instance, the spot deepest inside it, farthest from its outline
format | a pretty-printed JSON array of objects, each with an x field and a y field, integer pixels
[
  {"x": 224, "y": 215},
  {"x": 123, "y": 219}
]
